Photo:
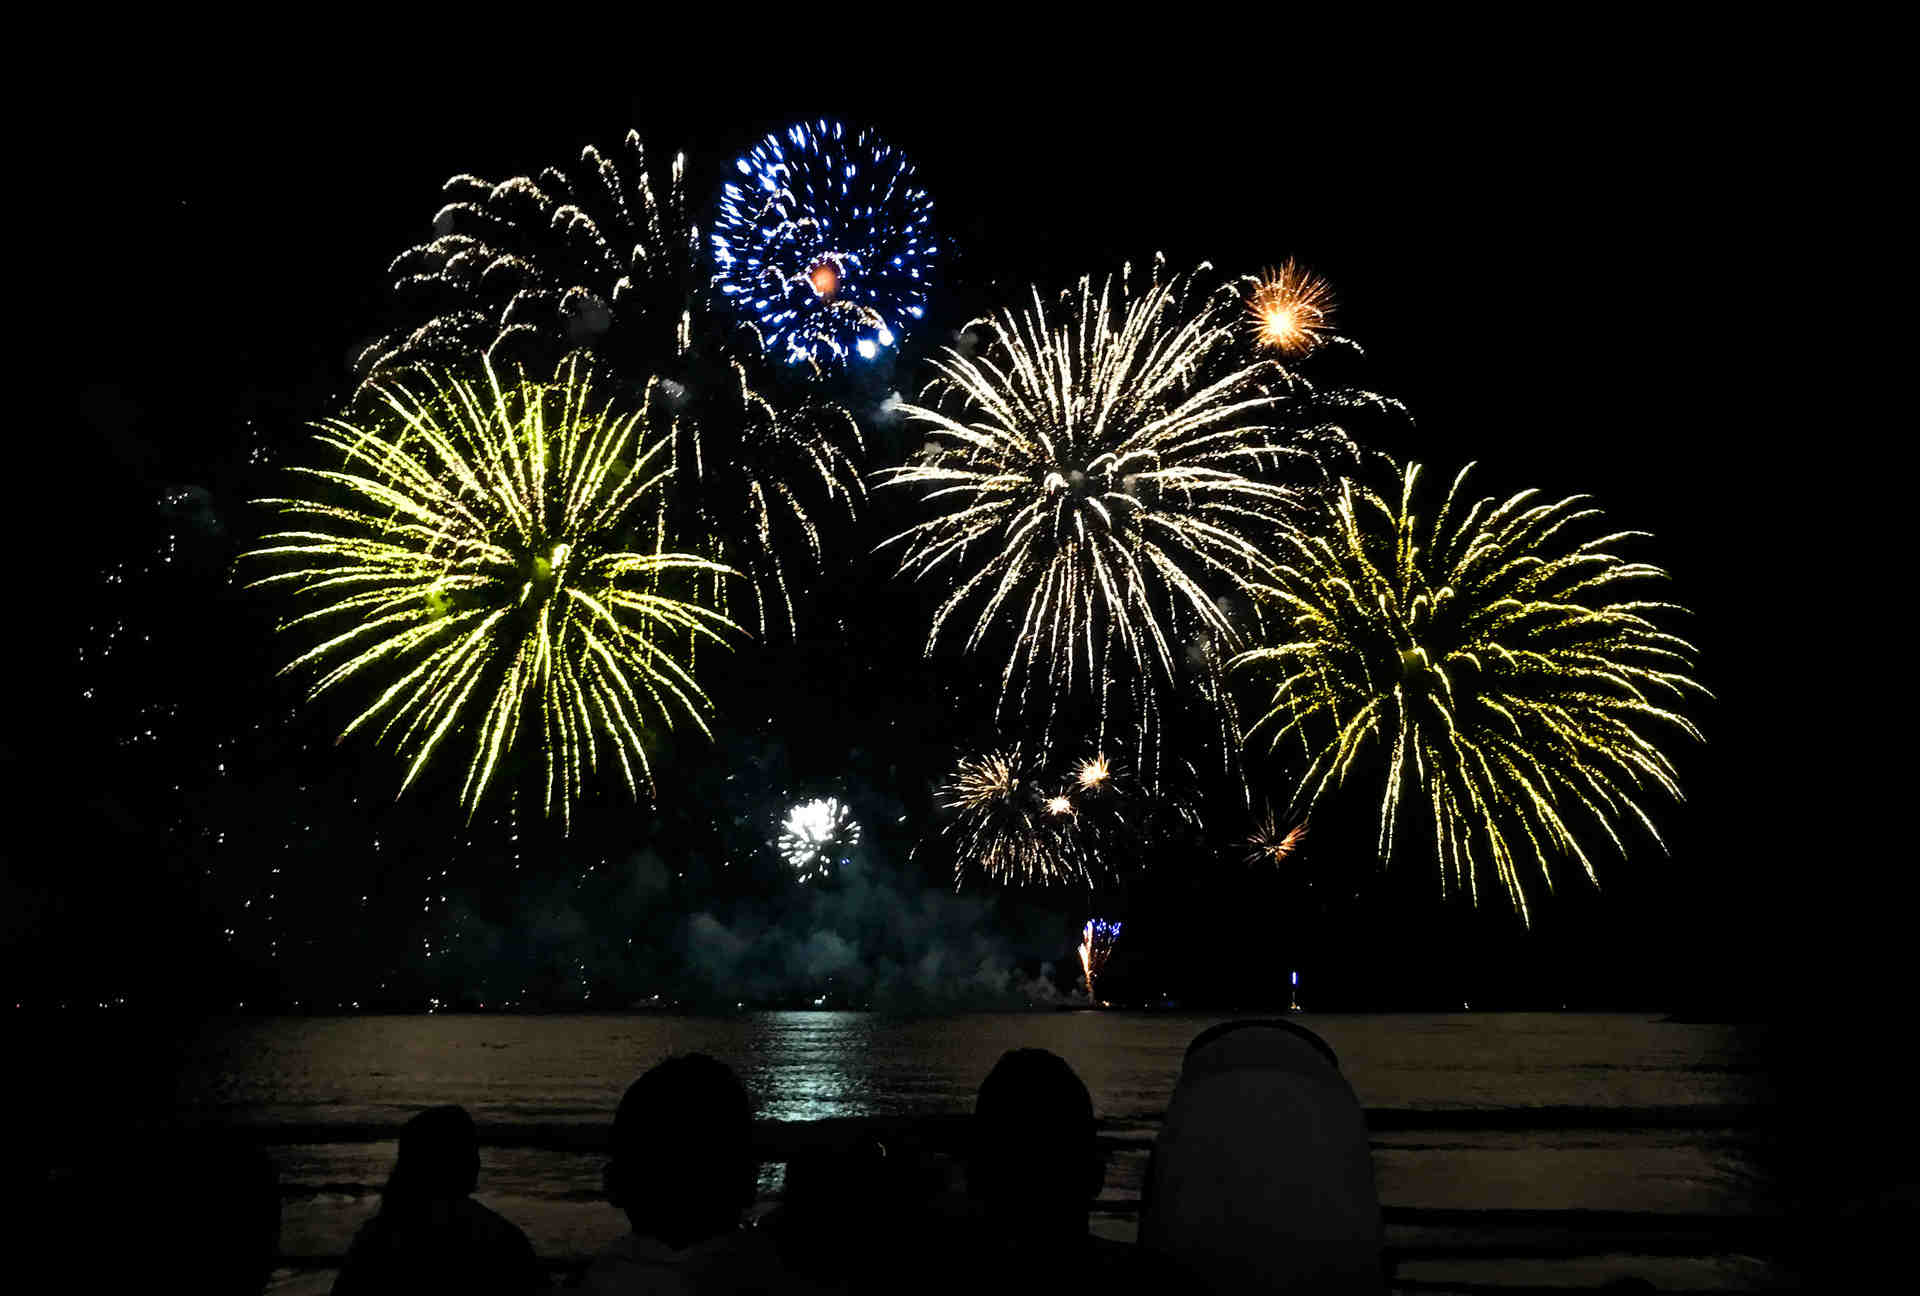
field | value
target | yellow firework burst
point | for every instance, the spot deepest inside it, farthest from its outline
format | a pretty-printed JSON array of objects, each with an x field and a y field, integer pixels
[
  {"x": 1103, "y": 474},
  {"x": 1512, "y": 675},
  {"x": 1290, "y": 309},
  {"x": 476, "y": 562}
]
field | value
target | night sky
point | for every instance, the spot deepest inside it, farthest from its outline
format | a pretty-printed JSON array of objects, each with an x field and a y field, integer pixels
[{"x": 1553, "y": 269}]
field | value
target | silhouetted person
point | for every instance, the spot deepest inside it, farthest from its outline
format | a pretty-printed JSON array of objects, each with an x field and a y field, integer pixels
[
  {"x": 826, "y": 1210},
  {"x": 430, "y": 1235},
  {"x": 684, "y": 1170},
  {"x": 1261, "y": 1180},
  {"x": 1035, "y": 1169},
  {"x": 855, "y": 1214}
]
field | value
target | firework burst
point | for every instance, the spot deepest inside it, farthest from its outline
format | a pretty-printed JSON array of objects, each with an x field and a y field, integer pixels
[
  {"x": 1290, "y": 309},
  {"x": 1269, "y": 843},
  {"x": 751, "y": 475},
  {"x": 600, "y": 262},
  {"x": 1019, "y": 818},
  {"x": 1009, "y": 824},
  {"x": 1510, "y": 676},
  {"x": 591, "y": 258},
  {"x": 825, "y": 244},
  {"x": 1104, "y": 475},
  {"x": 479, "y": 557},
  {"x": 1093, "y": 773},
  {"x": 816, "y": 835},
  {"x": 1097, "y": 940}
]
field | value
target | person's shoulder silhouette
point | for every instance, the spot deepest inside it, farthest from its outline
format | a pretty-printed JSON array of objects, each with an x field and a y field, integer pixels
[
  {"x": 430, "y": 1234},
  {"x": 683, "y": 1170}
]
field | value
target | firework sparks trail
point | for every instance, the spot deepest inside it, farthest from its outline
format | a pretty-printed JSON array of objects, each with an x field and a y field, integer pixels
[
  {"x": 1510, "y": 675},
  {"x": 1103, "y": 476},
  {"x": 825, "y": 244},
  {"x": 817, "y": 835},
  {"x": 597, "y": 262},
  {"x": 475, "y": 553},
  {"x": 1097, "y": 940}
]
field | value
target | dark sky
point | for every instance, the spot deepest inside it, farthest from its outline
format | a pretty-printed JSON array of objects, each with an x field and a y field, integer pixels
[{"x": 1552, "y": 263}]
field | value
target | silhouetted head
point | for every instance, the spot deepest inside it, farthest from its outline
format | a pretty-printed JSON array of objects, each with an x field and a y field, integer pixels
[
  {"x": 1212, "y": 1035},
  {"x": 1035, "y": 1165},
  {"x": 683, "y": 1166},
  {"x": 1261, "y": 1178},
  {"x": 439, "y": 1158}
]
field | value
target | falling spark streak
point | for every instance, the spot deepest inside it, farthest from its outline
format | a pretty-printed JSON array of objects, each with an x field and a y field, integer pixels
[
  {"x": 1103, "y": 474},
  {"x": 816, "y": 835},
  {"x": 597, "y": 262},
  {"x": 1506, "y": 674},
  {"x": 1097, "y": 940},
  {"x": 473, "y": 552}
]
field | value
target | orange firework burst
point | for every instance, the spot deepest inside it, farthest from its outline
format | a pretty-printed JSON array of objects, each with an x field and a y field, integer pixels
[
  {"x": 1059, "y": 805},
  {"x": 1267, "y": 844},
  {"x": 1291, "y": 307},
  {"x": 1093, "y": 772}
]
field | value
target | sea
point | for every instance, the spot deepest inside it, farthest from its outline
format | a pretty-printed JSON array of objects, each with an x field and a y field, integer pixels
[{"x": 1510, "y": 1149}]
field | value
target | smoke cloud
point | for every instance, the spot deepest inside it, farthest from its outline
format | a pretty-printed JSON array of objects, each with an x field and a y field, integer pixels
[{"x": 870, "y": 936}]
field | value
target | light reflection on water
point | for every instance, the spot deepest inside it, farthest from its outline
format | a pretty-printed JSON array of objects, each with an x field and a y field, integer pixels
[{"x": 813, "y": 1065}]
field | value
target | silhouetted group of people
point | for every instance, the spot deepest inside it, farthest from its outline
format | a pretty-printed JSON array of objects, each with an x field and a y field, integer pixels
[{"x": 1260, "y": 1181}]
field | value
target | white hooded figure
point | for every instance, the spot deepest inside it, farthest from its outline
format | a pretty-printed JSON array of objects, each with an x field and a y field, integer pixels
[{"x": 1261, "y": 1179}]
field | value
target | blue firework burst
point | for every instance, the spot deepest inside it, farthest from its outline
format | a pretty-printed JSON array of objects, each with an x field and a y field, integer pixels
[{"x": 825, "y": 243}]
